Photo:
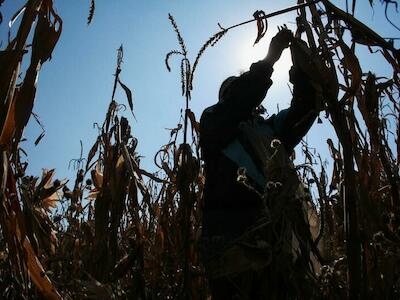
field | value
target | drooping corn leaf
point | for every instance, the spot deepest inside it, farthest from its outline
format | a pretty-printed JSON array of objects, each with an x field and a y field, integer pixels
[
  {"x": 262, "y": 25},
  {"x": 37, "y": 273},
  {"x": 129, "y": 96}
]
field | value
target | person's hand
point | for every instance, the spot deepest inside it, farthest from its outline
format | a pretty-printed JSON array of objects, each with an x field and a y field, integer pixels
[{"x": 279, "y": 42}]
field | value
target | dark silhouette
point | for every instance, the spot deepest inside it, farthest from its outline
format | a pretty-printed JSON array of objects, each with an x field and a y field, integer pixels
[{"x": 230, "y": 208}]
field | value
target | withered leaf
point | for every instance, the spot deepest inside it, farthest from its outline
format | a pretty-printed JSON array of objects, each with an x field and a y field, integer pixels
[
  {"x": 24, "y": 101},
  {"x": 262, "y": 25},
  {"x": 50, "y": 201},
  {"x": 9, "y": 124},
  {"x": 128, "y": 93},
  {"x": 193, "y": 122},
  {"x": 47, "y": 176},
  {"x": 46, "y": 35},
  {"x": 92, "y": 152},
  {"x": 351, "y": 63},
  {"x": 371, "y": 96},
  {"x": 39, "y": 138},
  {"x": 97, "y": 177},
  {"x": 37, "y": 273}
]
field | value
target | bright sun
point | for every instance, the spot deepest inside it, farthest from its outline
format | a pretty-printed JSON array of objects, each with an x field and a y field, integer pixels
[{"x": 247, "y": 54}]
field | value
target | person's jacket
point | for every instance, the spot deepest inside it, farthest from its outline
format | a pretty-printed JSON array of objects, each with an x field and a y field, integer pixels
[{"x": 230, "y": 207}]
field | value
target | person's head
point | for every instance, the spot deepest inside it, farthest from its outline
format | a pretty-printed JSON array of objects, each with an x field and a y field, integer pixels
[{"x": 224, "y": 89}]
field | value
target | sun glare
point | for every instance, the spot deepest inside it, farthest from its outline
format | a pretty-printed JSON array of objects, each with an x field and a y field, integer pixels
[{"x": 247, "y": 54}]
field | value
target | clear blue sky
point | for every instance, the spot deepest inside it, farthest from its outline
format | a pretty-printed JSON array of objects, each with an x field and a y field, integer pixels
[{"x": 75, "y": 87}]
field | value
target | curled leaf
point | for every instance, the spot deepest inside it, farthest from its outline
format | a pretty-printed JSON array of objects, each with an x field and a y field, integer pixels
[
  {"x": 128, "y": 93},
  {"x": 262, "y": 25}
]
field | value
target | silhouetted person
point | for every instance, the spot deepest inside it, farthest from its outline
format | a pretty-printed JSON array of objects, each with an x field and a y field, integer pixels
[{"x": 230, "y": 207}]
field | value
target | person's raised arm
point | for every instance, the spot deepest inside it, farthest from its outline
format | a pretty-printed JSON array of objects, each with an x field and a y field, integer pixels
[
  {"x": 246, "y": 92},
  {"x": 240, "y": 95},
  {"x": 296, "y": 121}
]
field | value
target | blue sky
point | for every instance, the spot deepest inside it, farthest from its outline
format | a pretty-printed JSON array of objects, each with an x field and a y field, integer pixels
[{"x": 75, "y": 87}]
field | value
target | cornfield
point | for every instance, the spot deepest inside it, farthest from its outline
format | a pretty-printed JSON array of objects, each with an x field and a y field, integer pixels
[{"x": 121, "y": 232}]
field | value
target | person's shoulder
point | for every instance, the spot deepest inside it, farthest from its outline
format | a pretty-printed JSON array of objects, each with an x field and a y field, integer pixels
[
  {"x": 209, "y": 110},
  {"x": 208, "y": 114}
]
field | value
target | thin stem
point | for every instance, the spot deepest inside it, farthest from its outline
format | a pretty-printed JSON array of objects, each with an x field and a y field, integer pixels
[
  {"x": 276, "y": 13},
  {"x": 186, "y": 121}
]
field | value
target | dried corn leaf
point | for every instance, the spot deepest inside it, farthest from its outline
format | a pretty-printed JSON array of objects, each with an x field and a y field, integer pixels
[
  {"x": 262, "y": 25},
  {"x": 193, "y": 122},
  {"x": 97, "y": 177},
  {"x": 37, "y": 273},
  {"x": 8, "y": 129},
  {"x": 25, "y": 100},
  {"x": 361, "y": 33},
  {"x": 128, "y": 93},
  {"x": 371, "y": 98},
  {"x": 46, "y": 34},
  {"x": 44, "y": 40},
  {"x": 351, "y": 63},
  {"x": 46, "y": 181},
  {"x": 92, "y": 152},
  {"x": 119, "y": 168},
  {"x": 51, "y": 201}
]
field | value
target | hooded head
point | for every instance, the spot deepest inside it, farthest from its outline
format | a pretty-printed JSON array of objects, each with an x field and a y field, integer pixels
[{"x": 223, "y": 90}]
